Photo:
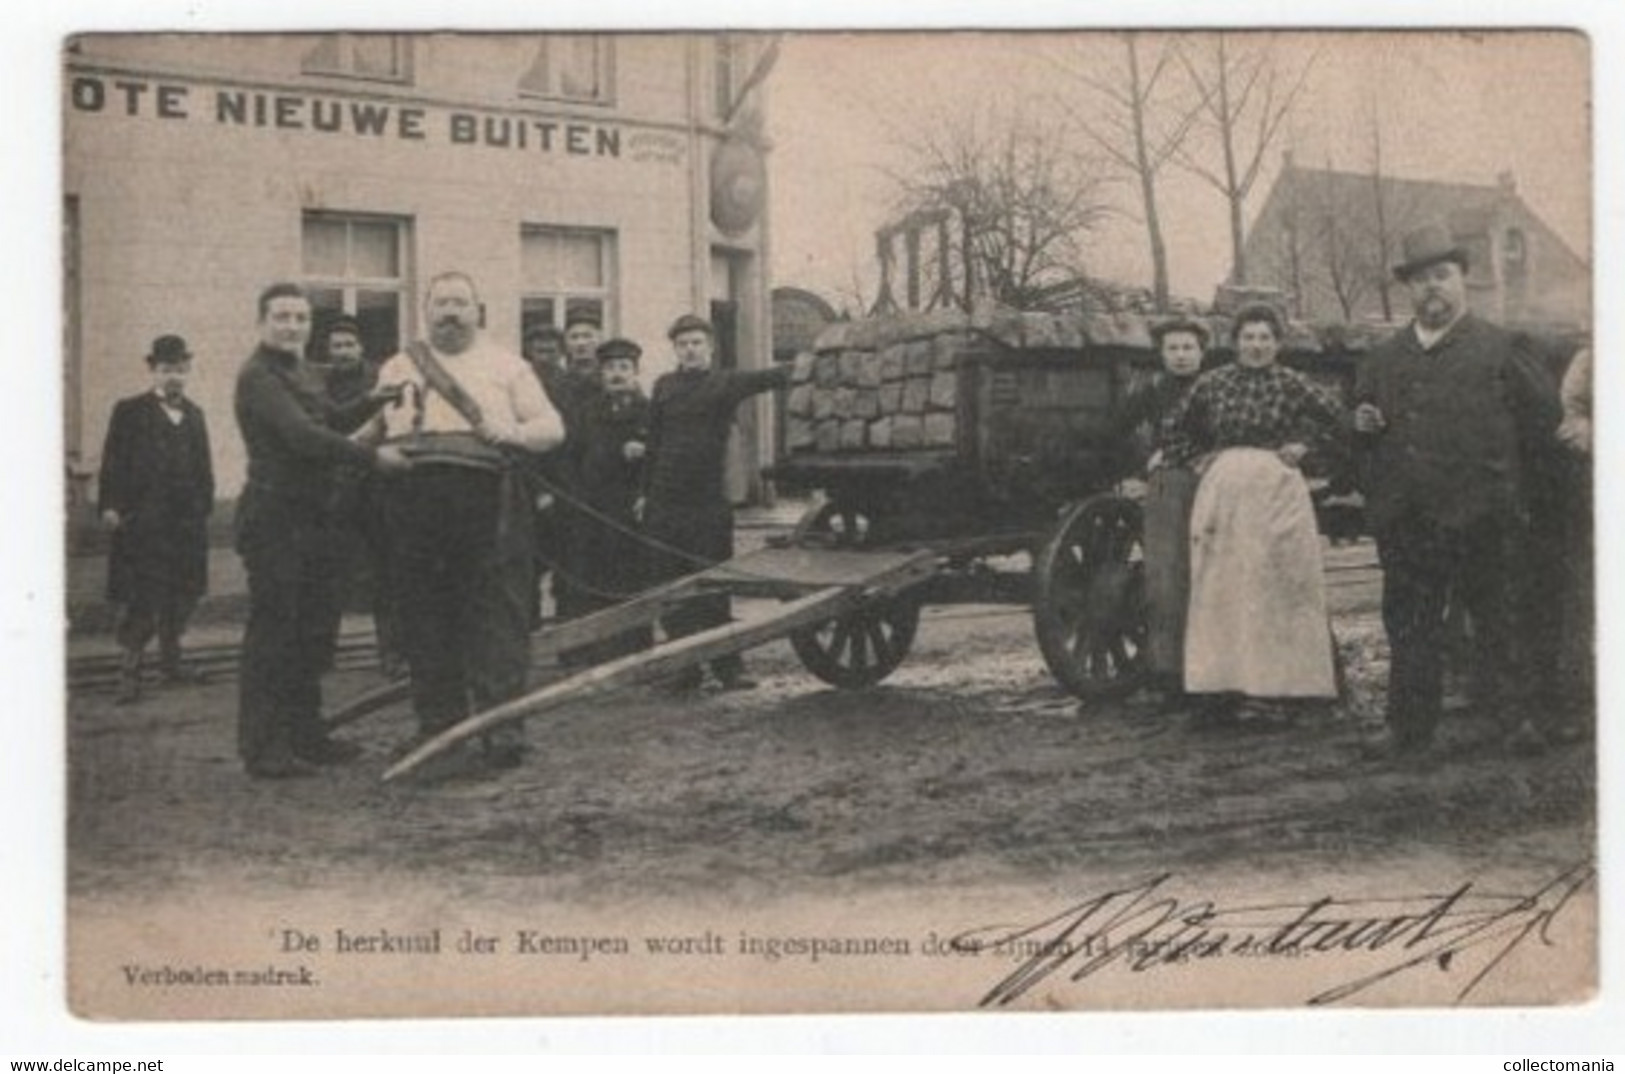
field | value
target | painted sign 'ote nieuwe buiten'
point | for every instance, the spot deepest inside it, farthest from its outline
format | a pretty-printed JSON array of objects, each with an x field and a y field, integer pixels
[{"x": 355, "y": 117}]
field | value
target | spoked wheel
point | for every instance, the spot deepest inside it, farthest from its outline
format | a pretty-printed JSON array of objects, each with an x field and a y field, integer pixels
[
  {"x": 861, "y": 648},
  {"x": 1089, "y": 608}
]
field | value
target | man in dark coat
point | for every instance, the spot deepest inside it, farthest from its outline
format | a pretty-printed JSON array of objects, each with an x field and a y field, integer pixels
[
  {"x": 362, "y": 556},
  {"x": 295, "y": 441},
  {"x": 1451, "y": 408},
  {"x": 687, "y": 516},
  {"x": 155, "y": 494},
  {"x": 607, "y": 448},
  {"x": 571, "y": 390}
]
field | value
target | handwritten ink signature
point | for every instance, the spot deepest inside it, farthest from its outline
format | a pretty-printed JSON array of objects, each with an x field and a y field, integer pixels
[{"x": 1144, "y": 927}]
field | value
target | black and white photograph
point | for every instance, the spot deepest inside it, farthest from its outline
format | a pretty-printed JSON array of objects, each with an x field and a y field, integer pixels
[{"x": 572, "y": 523}]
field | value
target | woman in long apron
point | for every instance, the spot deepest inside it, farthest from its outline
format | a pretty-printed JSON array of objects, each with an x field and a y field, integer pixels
[
  {"x": 1257, "y": 624},
  {"x": 1181, "y": 344}
]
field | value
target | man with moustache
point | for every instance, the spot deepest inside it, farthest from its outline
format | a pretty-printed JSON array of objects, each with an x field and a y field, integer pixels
[
  {"x": 154, "y": 494},
  {"x": 1450, "y": 410},
  {"x": 292, "y": 433},
  {"x": 471, "y": 416},
  {"x": 686, "y": 513}
]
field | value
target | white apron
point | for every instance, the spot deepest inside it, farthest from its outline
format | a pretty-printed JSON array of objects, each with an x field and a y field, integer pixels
[{"x": 1257, "y": 622}]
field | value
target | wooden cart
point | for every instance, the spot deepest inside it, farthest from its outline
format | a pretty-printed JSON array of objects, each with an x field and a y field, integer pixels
[{"x": 955, "y": 460}]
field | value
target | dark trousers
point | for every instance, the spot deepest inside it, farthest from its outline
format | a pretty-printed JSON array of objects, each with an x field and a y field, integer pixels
[
  {"x": 686, "y": 540},
  {"x": 162, "y": 613},
  {"x": 288, "y": 553},
  {"x": 362, "y": 575},
  {"x": 464, "y": 578},
  {"x": 1559, "y": 590},
  {"x": 1426, "y": 567}
]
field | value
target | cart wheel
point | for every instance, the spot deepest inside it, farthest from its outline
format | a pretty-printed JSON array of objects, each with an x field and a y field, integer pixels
[
  {"x": 862, "y": 648},
  {"x": 1089, "y": 608}
]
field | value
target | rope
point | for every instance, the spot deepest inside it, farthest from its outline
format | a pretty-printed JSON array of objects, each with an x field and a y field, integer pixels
[{"x": 648, "y": 542}]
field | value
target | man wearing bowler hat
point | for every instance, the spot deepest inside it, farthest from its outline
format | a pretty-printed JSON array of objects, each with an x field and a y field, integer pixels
[
  {"x": 155, "y": 494},
  {"x": 1450, "y": 409},
  {"x": 687, "y": 515}
]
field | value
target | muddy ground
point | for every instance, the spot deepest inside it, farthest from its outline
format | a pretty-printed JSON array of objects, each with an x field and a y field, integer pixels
[
  {"x": 968, "y": 763},
  {"x": 969, "y": 770}
]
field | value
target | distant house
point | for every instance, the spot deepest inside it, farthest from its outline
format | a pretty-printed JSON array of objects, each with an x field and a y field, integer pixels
[{"x": 1328, "y": 240}]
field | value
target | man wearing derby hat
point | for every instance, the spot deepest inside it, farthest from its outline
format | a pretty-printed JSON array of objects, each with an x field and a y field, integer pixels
[
  {"x": 155, "y": 494},
  {"x": 686, "y": 513},
  {"x": 1450, "y": 409}
]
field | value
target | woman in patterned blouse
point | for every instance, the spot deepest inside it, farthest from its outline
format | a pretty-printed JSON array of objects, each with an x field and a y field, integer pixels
[{"x": 1257, "y": 624}]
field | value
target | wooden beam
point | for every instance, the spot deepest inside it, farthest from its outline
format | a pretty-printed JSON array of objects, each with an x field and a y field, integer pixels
[{"x": 814, "y": 608}]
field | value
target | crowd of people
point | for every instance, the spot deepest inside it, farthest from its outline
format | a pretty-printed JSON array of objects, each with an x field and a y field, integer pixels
[
  {"x": 448, "y": 481},
  {"x": 453, "y": 483},
  {"x": 1455, "y": 430}
]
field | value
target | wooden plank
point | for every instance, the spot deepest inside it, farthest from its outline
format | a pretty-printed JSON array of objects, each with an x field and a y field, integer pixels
[
  {"x": 816, "y": 607},
  {"x": 642, "y": 610}
]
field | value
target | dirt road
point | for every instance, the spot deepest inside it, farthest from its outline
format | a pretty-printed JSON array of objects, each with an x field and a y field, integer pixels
[{"x": 969, "y": 763}]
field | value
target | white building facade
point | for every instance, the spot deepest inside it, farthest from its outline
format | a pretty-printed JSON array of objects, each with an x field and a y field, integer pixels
[{"x": 617, "y": 173}]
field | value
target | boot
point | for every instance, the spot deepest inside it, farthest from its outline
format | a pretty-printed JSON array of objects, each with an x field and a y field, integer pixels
[
  {"x": 171, "y": 670},
  {"x": 129, "y": 678}
]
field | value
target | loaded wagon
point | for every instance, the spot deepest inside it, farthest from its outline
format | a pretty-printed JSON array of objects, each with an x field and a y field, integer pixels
[{"x": 954, "y": 458}]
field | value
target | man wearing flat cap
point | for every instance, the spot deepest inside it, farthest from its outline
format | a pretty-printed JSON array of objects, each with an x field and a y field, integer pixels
[
  {"x": 583, "y": 331},
  {"x": 155, "y": 494},
  {"x": 606, "y": 451},
  {"x": 687, "y": 514},
  {"x": 570, "y": 380},
  {"x": 1450, "y": 410},
  {"x": 361, "y": 558}
]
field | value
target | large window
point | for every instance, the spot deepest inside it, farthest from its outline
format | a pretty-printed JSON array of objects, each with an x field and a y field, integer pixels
[
  {"x": 375, "y": 57},
  {"x": 572, "y": 67},
  {"x": 356, "y": 266},
  {"x": 564, "y": 270}
]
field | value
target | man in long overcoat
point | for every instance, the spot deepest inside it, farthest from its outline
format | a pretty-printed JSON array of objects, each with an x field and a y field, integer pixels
[
  {"x": 1451, "y": 408},
  {"x": 155, "y": 494},
  {"x": 607, "y": 448},
  {"x": 687, "y": 516}
]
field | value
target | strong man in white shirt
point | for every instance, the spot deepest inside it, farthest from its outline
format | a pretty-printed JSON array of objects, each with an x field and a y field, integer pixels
[{"x": 468, "y": 413}]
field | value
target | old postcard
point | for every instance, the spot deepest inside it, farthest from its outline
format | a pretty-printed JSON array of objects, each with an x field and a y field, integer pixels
[{"x": 812, "y": 522}]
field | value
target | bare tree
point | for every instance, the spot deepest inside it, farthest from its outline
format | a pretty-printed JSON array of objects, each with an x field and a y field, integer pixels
[
  {"x": 1021, "y": 202},
  {"x": 1343, "y": 245},
  {"x": 1245, "y": 101},
  {"x": 1393, "y": 212},
  {"x": 1134, "y": 121}
]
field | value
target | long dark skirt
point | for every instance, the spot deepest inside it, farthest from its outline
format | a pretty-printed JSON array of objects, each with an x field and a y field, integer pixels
[{"x": 1168, "y": 498}]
